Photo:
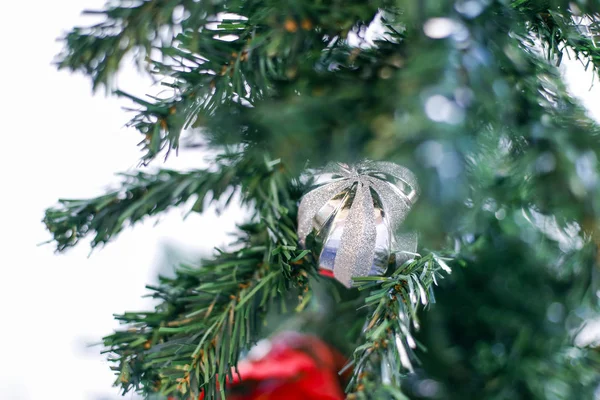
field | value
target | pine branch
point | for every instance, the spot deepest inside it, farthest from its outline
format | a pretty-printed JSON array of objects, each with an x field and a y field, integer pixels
[
  {"x": 98, "y": 50},
  {"x": 543, "y": 6},
  {"x": 209, "y": 315},
  {"x": 389, "y": 348},
  {"x": 215, "y": 96},
  {"x": 140, "y": 195},
  {"x": 558, "y": 31},
  {"x": 213, "y": 62}
]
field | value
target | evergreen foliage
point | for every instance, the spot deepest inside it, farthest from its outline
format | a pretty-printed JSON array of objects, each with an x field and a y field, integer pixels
[{"x": 465, "y": 93}]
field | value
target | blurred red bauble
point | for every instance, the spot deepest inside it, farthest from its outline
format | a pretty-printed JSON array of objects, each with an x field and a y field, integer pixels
[{"x": 290, "y": 366}]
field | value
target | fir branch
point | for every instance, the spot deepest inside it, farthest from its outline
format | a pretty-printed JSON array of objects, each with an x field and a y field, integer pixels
[
  {"x": 209, "y": 315},
  {"x": 543, "y": 6},
  {"x": 213, "y": 62},
  {"x": 98, "y": 50},
  {"x": 144, "y": 195},
  {"x": 557, "y": 31},
  {"x": 140, "y": 195},
  {"x": 213, "y": 81},
  {"x": 389, "y": 348}
]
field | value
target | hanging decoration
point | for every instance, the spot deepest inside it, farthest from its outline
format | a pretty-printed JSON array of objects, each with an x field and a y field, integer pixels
[{"x": 355, "y": 213}]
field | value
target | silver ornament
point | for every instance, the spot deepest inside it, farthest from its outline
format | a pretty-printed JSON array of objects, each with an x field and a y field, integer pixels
[{"x": 355, "y": 213}]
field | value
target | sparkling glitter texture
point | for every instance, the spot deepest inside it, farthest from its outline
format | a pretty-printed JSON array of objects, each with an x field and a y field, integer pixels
[{"x": 355, "y": 213}]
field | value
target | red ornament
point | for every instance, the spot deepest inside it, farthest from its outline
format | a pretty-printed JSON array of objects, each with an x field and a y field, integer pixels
[{"x": 290, "y": 366}]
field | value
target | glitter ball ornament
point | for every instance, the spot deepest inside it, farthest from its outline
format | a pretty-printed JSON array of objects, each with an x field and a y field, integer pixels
[{"x": 355, "y": 213}]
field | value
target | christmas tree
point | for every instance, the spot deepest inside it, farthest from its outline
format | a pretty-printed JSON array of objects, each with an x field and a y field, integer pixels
[{"x": 466, "y": 94}]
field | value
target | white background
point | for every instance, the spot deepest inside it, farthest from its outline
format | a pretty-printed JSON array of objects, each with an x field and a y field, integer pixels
[{"x": 57, "y": 140}]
